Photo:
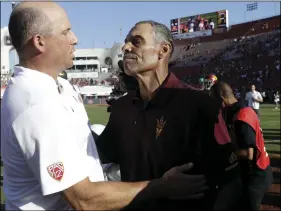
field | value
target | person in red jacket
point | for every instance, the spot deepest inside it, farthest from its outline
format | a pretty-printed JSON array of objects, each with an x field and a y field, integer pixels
[{"x": 243, "y": 123}]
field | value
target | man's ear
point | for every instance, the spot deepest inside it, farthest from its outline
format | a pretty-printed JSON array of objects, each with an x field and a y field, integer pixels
[
  {"x": 166, "y": 49},
  {"x": 39, "y": 42}
]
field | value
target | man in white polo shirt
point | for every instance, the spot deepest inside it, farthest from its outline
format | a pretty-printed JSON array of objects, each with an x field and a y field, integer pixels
[
  {"x": 49, "y": 155},
  {"x": 254, "y": 99}
]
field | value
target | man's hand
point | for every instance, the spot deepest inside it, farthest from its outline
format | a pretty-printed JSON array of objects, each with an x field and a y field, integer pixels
[
  {"x": 178, "y": 171},
  {"x": 256, "y": 99},
  {"x": 192, "y": 186}
]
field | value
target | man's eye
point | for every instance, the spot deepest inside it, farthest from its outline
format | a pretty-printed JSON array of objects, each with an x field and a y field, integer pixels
[
  {"x": 66, "y": 32},
  {"x": 137, "y": 41}
]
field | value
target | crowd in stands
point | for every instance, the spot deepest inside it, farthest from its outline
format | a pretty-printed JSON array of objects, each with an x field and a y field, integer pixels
[
  {"x": 80, "y": 82},
  {"x": 256, "y": 61},
  {"x": 249, "y": 59}
]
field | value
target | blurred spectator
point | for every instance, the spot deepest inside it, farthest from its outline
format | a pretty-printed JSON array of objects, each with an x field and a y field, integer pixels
[{"x": 249, "y": 59}]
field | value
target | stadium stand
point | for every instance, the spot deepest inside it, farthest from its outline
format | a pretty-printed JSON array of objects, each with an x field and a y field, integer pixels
[{"x": 245, "y": 53}]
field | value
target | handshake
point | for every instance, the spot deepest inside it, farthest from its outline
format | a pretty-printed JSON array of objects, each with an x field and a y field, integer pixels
[{"x": 185, "y": 185}]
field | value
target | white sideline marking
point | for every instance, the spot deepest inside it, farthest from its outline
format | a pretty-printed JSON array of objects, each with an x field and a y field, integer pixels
[
  {"x": 271, "y": 122},
  {"x": 272, "y": 141}
]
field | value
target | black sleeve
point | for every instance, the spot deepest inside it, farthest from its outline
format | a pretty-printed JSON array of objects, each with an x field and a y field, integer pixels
[
  {"x": 214, "y": 154},
  {"x": 200, "y": 133},
  {"x": 245, "y": 135},
  {"x": 107, "y": 144},
  {"x": 210, "y": 156}
]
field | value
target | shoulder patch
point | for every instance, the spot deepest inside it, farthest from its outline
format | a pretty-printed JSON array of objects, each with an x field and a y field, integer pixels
[{"x": 56, "y": 170}]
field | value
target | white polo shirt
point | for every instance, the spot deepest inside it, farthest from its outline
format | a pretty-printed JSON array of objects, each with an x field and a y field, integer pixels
[
  {"x": 250, "y": 96},
  {"x": 212, "y": 25},
  {"x": 46, "y": 142}
]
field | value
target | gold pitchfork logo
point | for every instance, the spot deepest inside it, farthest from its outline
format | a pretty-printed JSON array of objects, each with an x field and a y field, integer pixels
[{"x": 159, "y": 127}]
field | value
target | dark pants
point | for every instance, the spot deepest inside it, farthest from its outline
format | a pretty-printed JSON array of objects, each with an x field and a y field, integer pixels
[
  {"x": 230, "y": 197},
  {"x": 254, "y": 187}
]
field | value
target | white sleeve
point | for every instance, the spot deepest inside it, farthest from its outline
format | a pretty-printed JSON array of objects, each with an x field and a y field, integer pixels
[
  {"x": 49, "y": 141},
  {"x": 260, "y": 96}
]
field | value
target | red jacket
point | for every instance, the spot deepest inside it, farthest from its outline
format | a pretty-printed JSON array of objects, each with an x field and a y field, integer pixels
[
  {"x": 249, "y": 116},
  {"x": 221, "y": 132}
]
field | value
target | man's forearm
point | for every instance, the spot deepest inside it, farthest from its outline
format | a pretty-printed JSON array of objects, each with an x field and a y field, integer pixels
[
  {"x": 117, "y": 195},
  {"x": 87, "y": 195},
  {"x": 259, "y": 100},
  {"x": 113, "y": 195},
  {"x": 104, "y": 195}
]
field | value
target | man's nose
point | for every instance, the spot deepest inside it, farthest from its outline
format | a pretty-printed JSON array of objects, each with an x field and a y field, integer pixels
[
  {"x": 74, "y": 39},
  {"x": 127, "y": 47}
]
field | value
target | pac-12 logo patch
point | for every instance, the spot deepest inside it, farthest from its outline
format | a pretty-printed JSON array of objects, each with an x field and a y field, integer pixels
[{"x": 56, "y": 171}]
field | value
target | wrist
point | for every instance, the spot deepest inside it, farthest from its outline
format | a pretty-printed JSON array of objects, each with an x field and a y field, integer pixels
[{"x": 149, "y": 190}]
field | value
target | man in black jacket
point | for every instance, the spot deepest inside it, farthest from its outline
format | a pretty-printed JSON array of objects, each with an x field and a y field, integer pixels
[{"x": 166, "y": 123}]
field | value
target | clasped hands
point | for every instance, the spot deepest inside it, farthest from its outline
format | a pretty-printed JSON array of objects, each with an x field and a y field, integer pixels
[{"x": 184, "y": 185}]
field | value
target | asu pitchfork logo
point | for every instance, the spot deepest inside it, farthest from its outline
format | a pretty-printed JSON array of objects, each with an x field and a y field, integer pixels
[
  {"x": 56, "y": 171},
  {"x": 160, "y": 126}
]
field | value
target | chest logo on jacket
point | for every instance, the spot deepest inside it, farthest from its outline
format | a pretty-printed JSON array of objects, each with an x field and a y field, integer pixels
[{"x": 160, "y": 126}]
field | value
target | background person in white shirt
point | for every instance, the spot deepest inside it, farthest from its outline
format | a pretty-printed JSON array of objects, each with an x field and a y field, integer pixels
[
  {"x": 49, "y": 155},
  {"x": 211, "y": 24},
  {"x": 201, "y": 25},
  {"x": 276, "y": 99},
  {"x": 254, "y": 99}
]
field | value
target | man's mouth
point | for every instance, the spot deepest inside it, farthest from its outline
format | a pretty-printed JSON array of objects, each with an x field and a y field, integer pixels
[
  {"x": 129, "y": 59},
  {"x": 126, "y": 57}
]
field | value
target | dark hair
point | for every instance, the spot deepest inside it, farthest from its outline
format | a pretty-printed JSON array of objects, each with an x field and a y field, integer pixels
[
  {"x": 162, "y": 32},
  {"x": 221, "y": 89},
  {"x": 24, "y": 23}
]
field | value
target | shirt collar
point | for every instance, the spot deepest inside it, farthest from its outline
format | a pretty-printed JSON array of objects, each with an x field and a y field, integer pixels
[
  {"x": 162, "y": 94},
  {"x": 36, "y": 75},
  {"x": 171, "y": 81}
]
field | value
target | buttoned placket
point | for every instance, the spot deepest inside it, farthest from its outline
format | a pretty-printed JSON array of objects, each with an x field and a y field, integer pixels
[
  {"x": 61, "y": 90},
  {"x": 59, "y": 87}
]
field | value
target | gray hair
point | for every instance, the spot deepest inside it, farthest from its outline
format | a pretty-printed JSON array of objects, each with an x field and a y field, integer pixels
[
  {"x": 162, "y": 32},
  {"x": 26, "y": 22}
]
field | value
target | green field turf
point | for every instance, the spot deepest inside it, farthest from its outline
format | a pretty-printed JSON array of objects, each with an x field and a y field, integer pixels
[{"x": 270, "y": 121}]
